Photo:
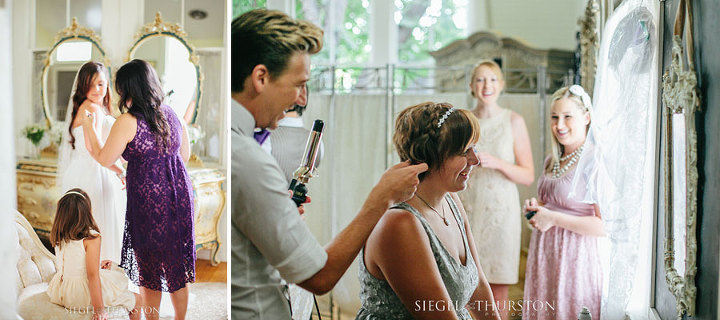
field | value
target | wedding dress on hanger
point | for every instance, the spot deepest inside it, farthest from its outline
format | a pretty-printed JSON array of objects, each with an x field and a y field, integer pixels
[{"x": 622, "y": 135}]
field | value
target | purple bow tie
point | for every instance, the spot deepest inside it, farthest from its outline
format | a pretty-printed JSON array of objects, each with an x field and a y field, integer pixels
[{"x": 261, "y": 136}]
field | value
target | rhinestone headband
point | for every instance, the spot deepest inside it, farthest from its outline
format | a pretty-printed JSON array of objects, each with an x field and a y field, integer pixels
[{"x": 445, "y": 116}]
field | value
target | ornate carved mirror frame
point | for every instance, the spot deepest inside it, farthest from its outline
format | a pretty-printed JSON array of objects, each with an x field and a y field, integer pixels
[
  {"x": 589, "y": 45},
  {"x": 681, "y": 101},
  {"x": 73, "y": 32},
  {"x": 160, "y": 28}
]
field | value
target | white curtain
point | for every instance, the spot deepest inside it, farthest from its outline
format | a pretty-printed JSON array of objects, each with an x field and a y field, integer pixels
[
  {"x": 623, "y": 135},
  {"x": 356, "y": 146},
  {"x": 8, "y": 248}
]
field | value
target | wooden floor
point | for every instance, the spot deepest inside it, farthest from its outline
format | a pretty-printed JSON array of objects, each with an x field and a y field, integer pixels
[{"x": 205, "y": 272}]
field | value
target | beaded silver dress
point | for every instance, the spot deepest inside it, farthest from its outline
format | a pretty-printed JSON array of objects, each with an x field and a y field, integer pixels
[{"x": 378, "y": 299}]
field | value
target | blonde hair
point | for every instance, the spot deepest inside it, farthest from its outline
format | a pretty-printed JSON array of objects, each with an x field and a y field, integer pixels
[
  {"x": 417, "y": 137},
  {"x": 270, "y": 38},
  {"x": 494, "y": 67},
  {"x": 556, "y": 147}
]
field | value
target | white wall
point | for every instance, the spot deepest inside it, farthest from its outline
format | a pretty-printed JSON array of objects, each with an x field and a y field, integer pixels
[
  {"x": 8, "y": 255},
  {"x": 121, "y": 20},
  {"x": 542, "y": 24}
]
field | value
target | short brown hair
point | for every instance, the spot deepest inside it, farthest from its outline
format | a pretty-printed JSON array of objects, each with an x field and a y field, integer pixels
[
  {"x": 270, "y": 38},
  {"x": 418, "y": 139},
  {"x": 73, "y": 218}
]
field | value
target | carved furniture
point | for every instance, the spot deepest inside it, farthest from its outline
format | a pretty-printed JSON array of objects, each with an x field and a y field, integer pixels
[{"x": 38, "y": 196}]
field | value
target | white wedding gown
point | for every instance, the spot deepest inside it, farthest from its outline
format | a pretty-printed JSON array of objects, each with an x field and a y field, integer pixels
[{"x": 107, "y": 196}]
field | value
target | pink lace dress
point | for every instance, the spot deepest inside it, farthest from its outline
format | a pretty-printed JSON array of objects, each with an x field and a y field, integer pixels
[{"x": 563, "y": 272}]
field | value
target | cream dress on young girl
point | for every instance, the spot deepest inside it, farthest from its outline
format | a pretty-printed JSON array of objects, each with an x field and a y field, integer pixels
[{"x": 69, "y": 287}]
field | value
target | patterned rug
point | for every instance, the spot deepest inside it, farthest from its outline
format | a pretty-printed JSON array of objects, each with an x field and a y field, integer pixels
[{"x": 208, "y": 301}]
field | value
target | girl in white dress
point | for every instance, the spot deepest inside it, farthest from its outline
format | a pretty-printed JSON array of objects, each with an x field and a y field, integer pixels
[
  {"x": 82, "y": 283},
  {"x": 78, "y": 169}
]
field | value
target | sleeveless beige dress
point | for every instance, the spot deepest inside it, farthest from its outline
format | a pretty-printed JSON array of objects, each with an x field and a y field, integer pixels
[{"x": 492, "y": 204}]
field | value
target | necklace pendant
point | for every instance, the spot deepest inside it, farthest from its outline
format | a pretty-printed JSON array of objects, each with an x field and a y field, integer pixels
[{"x": 446, "y": 222}]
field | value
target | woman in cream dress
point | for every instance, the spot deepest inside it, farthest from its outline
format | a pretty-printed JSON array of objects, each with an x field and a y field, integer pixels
[
  {"x": 491, "y": 199},
  {"x": 78, "y": 169}
]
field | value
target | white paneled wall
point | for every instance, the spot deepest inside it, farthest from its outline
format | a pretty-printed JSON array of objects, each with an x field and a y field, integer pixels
[{"x": 7, "y": 169}]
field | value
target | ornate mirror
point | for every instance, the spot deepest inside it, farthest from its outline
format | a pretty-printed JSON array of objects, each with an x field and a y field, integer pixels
[
  {"x": 165, "y": 47},
  {"x": 72, "y": 47},
  {"x": 680, "y": 101}
]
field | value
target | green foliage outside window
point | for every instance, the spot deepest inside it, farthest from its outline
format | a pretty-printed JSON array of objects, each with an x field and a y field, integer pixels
[{"x": 241, "y": 6}]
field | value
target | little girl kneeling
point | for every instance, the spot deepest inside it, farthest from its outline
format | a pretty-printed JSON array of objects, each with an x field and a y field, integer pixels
[{"x": 80, "y": 284}]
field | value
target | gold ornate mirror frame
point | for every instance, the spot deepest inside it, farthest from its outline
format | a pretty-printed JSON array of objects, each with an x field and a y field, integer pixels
[
  {"x": 680, "y": 97},
  {"x": 160, "y": 28},
  {"x": 589, "y": 45},
  {"x": 73, "y": 32}
]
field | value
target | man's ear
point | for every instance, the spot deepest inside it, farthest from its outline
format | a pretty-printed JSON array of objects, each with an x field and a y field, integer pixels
[{"x": 259, "y": 77}]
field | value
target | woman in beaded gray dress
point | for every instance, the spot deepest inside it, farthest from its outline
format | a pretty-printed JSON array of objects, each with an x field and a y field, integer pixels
[{"x": 420, "y": 261}]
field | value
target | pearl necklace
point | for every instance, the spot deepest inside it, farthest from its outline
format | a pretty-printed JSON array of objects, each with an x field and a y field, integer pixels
[{"x": 557, "y": 172}]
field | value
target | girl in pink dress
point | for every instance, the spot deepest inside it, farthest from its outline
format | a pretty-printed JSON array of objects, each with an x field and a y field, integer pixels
[{"x": 563, "y": 272}]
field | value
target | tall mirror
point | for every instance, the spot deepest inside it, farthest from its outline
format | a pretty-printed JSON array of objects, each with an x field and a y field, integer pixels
[
  {"x": 72, "y": 47},
  {"x": 164, "y": 45}
]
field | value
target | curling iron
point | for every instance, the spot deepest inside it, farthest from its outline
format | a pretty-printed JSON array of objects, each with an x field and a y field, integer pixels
[{"x": 307, "y": 167}]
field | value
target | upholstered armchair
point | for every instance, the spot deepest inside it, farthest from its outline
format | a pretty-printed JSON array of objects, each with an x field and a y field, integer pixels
[{"x": 35, "y": 268}]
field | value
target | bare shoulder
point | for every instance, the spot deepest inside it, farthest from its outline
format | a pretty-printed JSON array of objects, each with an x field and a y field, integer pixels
[
  {"x": 398, "y": 223},
  {"x": 126, "y": 117},
  {"x": 516, "y": 119},
  {"x": 92, "y": 241}
]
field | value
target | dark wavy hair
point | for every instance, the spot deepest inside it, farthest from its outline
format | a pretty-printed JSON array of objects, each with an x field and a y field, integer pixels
[
  {"x": 84, "y": 82},
  {"x": 141, "y": 95},
  {"x": 73, "y": 218}
]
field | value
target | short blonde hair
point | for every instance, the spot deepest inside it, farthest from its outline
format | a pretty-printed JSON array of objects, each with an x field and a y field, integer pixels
[
  {"x": 556, "y": 147},
  {"x": 270, "y": 38},
  {"x": 417, "y": 137},
  {"x": 490, "y": 64}
]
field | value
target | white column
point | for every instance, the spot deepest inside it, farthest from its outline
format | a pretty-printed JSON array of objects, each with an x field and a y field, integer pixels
[
  {"x": 287, "y": 6},
  {"x": 21, "y": 19},
  {"x": 121, "y": 20},
  {"x": 383, "y": 33},
  {"x": 478, "y": 16},
  {"x": 8, "y": 248}
]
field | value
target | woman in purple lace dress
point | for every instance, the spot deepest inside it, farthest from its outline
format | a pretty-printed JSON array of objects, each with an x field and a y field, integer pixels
[
  {"x": 563, "y": 272},
  {"x": 158, "y": 247}
]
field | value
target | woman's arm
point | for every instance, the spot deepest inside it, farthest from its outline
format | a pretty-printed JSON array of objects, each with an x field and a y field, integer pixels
[
  {"x": 482, "y": 303},
  {"x": 522, "y": 171},
  {"x": 185, "y": 145},
  {"x": 122, "y": 132},
  {"x": 400, "y": 251},
  {"x": 544, "y": 219},
  {"x": 92, "y": 265}
]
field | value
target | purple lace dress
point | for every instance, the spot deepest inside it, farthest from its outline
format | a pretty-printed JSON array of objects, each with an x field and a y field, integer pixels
[{"x": 158, "y": 250}]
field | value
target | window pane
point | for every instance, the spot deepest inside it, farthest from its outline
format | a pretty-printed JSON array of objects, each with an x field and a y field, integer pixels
[
  {"x": 428, "y": 25},
  {"x": 242, "y": 6}
]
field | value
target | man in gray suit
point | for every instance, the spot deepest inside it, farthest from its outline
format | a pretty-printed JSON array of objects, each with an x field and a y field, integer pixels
[{"x": 269, "y": 69}]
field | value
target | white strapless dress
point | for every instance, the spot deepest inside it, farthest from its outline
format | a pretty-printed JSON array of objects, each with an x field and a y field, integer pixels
[
  {"x": 69, "y": 286},
  {"x": 107, "y": 196}
]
